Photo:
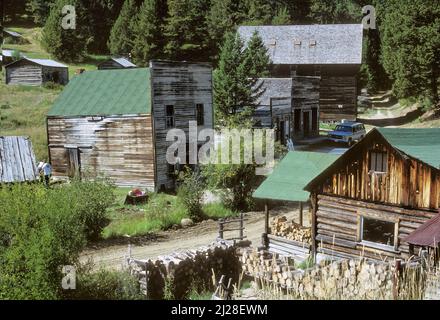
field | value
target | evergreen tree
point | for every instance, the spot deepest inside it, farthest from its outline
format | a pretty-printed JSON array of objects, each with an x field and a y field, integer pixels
[
  {"x": 122, "y": 34},
  {"x": 335, "y": 11},
  {"x": 39, "y": 9},
  {"x": 186, "y": 30},
  {"x": 282, "y": 17},
  {"x": 411, "y": 47},
  {"x": 148, "y": 29},
  {"x": 256, "y": 58},
  {"x": 235, "y": 90},
  {"x": 66, "y": 44},
  {"x": 258, "y": 12}
]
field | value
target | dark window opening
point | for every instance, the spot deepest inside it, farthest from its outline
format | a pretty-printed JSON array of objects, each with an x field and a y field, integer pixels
[
  {"x": 200, "y": 112},
  {"x": 171, "y": 171},
  {"x": 170, "y": 116},
  {"x": 378, "y": 161},
  {"x": 378, "y": 231}
]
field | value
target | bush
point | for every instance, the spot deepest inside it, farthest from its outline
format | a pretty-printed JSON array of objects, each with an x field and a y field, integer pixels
[
  {"x": 93, "y": 199},
  {"x": 190, "y": 193},
  {"x": 104, "y": 285},
  {"x": 165, "y": 210}
]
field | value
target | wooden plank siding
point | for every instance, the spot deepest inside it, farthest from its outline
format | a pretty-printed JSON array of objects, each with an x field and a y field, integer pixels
[
  {"x": 407, "y": 182},
  {"x": 120, "y": 147},
  {"x": 337, "y": 91},
  {"x": 338, "y": 219},
  {"x": 31, "y": 75},
  {"x": 182, "y": 85}
]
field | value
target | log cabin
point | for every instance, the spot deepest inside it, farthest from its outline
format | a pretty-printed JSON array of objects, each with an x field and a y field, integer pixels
[
  {"x": 115, "y": 122},
  {"x": 332, "y": 52},
  {"x": 116, "y": 63},
  {"x": 381, "y": 190},
  {"x": 36, "y": 72}
]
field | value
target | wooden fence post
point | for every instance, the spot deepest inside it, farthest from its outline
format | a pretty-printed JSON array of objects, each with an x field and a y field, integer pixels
[
  {"x": 220, "y": 228},
  {"x": 241, "y": 226},
  {"x": 301, "y": 213},
  {"x": 396, "y": 278}
]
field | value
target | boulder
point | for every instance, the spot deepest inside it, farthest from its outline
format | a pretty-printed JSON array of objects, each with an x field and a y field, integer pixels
[{"x": 186, "y": 222}]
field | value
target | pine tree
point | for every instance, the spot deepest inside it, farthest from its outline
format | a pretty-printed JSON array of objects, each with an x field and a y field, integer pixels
[
  {"x": 282, "y": 17},
  {"x": 186, "y": 30},
  {"x": 258, "y": 12},
  {"x": 66, "y": 44},
  {"x": 256, "y": 58},
  {"x": 39, "y": 9},
  {"x": 411, "y": 47},
  {"x": 148, "y": 29},
  {"x": 335, "y": 11},
  {"x": 235, "y": 90},
  {"x": 122, "y": 34}
]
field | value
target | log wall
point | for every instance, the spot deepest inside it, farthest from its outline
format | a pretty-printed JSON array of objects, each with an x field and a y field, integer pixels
[
  {"x": 121, "y": 147},
  {"x": 30, "y": 75},
  {"x": 338, "y": 227},
  {"x": 182, "y": 85}
]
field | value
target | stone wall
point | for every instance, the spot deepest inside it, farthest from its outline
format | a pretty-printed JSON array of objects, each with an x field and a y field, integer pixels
[{"x": 175, "y": 275}]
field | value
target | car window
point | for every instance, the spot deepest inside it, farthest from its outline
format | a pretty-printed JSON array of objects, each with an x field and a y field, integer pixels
[{"x": 343, "y": 128}]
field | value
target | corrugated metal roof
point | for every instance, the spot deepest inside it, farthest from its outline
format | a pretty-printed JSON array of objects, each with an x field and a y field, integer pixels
[
  {"x": 12, "y": 33},
  {"x": 290, "y": 176},
  {"x": 310, "y": 44},
  {"x": 17, "y": 160},
  {"x": 428, "y": 235},
  {"x": 419, "y": 143},
  {"x": 124, "y": 62},
  {"x": 40, "y": 62},
  {"x": 113, "y": 92},
  {"x": 7, "y": 53}
]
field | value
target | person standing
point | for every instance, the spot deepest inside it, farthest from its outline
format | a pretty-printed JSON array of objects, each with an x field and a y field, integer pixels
[{"x": 47, "y": 172}]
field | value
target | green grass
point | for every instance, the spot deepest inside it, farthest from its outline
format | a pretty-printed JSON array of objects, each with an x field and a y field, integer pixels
[
  {"x": 160, "y": 213},
  {"x": 23, "y": 109}
]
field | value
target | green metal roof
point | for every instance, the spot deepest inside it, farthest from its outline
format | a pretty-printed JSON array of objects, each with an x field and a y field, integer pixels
[
  {"x": 291, "y": 175},
  {"x": 422, "y": 144},
  {"x": 105, "y": 92}
]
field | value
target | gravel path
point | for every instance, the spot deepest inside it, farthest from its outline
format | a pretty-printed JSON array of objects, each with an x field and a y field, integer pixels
[{"x": 110, "y": 254}]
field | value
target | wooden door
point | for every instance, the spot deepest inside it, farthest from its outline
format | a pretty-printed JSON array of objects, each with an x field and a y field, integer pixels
[
  {"x": 306, "y": 123},
  {"x": 315, "y": 121},
  {"x": 74, "y": 163}
]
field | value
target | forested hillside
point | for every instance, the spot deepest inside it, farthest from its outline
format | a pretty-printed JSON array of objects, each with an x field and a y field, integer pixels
[{"x": 403, "y": 52}]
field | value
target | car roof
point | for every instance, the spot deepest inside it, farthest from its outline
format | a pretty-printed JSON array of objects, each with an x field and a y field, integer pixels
[{"x": 348, "y": 124}]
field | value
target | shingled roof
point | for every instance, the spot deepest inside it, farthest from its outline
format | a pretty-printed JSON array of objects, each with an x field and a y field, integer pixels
[
  {"x": 17, "y": 160},
  {"x": 310, "y": 44},
  {"x": 113, "y": 92}
]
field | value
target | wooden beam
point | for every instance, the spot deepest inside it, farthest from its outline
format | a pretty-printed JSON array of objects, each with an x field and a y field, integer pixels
[{"x": 301, "y": 214}]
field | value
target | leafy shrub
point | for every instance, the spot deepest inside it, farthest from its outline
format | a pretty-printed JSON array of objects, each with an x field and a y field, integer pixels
[
  {"x": 93, "y": 198},
  {"x": 104, "y": 285},
  {"x": 165, "y": 210},
  {"x": 52, "y": 85},
  {"x": 190, "y": 193}
]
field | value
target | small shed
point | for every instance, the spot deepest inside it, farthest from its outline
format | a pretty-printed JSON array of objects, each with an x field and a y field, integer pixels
[
  {"x": 12, "y": 37},
  {"x": 428, "y": 235},
  {"x": 116, "y": 63},
  {"x": 35, "y": 72},
  {"x": 17, "y": 160}
]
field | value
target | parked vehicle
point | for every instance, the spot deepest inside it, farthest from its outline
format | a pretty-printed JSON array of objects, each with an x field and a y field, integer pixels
[{"x": 347, "y": 132}]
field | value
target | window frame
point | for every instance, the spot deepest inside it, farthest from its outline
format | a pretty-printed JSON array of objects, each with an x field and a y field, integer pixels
[
  {"x": 202, "y": 123},
  {"x": 170, "y": 119},
  {"x": 370, "y": 157},
  {"x": 374, "y": 245}
]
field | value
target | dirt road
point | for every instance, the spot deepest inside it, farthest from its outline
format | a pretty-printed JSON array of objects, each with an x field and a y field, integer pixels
[{"x": 110, "y": 254}]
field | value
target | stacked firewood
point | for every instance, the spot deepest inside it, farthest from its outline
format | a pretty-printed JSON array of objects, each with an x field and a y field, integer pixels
[
  {"x": 268, "y": 266},
  {"x": 175, "y": 275},
  {"x": 290, "y": 230}
]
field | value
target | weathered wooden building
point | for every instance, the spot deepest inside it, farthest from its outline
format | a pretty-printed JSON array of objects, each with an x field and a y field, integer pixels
[
  {"x": 377, "y": 193},
  {"x": 12, "y": 37},
  {"x": 290, "y": 106},
  {"x": 332, "y": 52},
  {"x": 116, "y": 122},
  {"x": 35, "y": 72},
  {"x": 17, "y": 160},
  {"x": 116, "y": 63}
]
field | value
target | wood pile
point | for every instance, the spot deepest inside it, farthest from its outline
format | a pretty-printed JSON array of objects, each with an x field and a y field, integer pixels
[
  {"x": 290, "y": 230},
  {"x": 180, "y": 272},
  {"x": 269, "y": 266}
]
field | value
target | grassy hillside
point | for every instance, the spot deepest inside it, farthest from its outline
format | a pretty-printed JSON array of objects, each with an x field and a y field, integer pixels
[{"x": 23, "y": 109}]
